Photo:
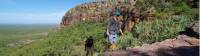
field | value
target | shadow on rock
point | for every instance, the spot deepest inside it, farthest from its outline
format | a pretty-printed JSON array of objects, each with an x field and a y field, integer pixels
[{"x": 180, "y": 51}]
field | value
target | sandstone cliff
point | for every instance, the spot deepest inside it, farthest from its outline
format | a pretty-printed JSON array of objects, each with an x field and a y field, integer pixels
[
  {"x": 93, "y": 11},
  {"x": 99, "y": 10}
]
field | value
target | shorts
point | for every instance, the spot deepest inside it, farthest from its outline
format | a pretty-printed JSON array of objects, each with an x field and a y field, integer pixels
[{"x": 112, "y": 38}]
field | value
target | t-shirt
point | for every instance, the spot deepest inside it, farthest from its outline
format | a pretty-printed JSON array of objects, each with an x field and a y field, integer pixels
[{"x": 113, "y": 26}]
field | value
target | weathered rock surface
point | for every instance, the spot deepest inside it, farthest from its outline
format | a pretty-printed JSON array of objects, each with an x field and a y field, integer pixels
[
  {"x": 181, "y": 46},
  {"x": 93, "y": 11},
  {"x": 192, "y": 29}
]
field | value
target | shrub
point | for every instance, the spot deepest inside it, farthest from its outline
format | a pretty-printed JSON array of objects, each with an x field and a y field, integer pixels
[{"x": 158, "y": 30}]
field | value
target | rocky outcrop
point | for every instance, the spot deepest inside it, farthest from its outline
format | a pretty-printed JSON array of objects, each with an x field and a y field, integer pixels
[
  {"x": 194, "y": 26},
  {"x": 93, "y": 11},
  {"x": 192, "y": 29},
  {"x": 181, "y": 46}
]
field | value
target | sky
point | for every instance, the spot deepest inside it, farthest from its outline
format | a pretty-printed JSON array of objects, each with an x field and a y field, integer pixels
[{"x": 35, "y": 11}]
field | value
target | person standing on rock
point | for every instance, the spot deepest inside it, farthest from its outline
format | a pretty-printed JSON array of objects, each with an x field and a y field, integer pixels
[
  {"x": 114, "y": 28},
  {"x": 89, "y": 46}
]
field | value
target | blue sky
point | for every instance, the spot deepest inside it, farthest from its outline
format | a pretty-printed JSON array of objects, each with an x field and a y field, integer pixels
[{"x": 35, "y": 11}]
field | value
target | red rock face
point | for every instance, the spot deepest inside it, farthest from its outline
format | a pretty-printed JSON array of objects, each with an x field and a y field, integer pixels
[
  {"x": 101, "y": 11},
  {"x": 93, "y": 11}
]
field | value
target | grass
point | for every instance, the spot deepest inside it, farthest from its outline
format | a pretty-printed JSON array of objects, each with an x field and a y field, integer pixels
[
  {"x": 70, "y": 41},
  {"x": 12, "y": 33},
  {"x": 67, "y": 42},
  {"x": 158, "y": 30}
]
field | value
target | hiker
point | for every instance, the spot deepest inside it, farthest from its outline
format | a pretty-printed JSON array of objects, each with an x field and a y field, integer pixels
[
  {"x": 114, "y": 28},
  {"x": 149, "y": 16},
  {"x": 117, "y": 16},
  {"x": 113, "y": 25},
  {"x": 132, "y": 20},
  {"x": 135, "y": 15},
  {"x": 126, "y": 15},
  {"x": 89, "y": 46}
]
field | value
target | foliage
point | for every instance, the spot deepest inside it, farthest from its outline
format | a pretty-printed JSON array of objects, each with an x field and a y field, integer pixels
[
  {"x": 156, "y": 31},
  {"x": 13, "y": 33},
  {"x": 68, "y": 42}
]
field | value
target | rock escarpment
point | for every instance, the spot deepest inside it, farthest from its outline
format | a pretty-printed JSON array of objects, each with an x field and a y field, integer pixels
[
  {"x": 93, "y": 11},
  {"x": 100, "y": 10}
]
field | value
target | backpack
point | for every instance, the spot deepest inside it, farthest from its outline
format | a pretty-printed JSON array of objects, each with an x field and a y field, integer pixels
[
  {"x": 117, "y": 12},
  {"x": 89, "y": 42}
]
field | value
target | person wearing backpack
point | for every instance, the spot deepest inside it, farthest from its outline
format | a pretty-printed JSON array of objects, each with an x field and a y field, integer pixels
[
  {"x": 89, "y": 46},
  {"x": 114, "y": 28}
]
